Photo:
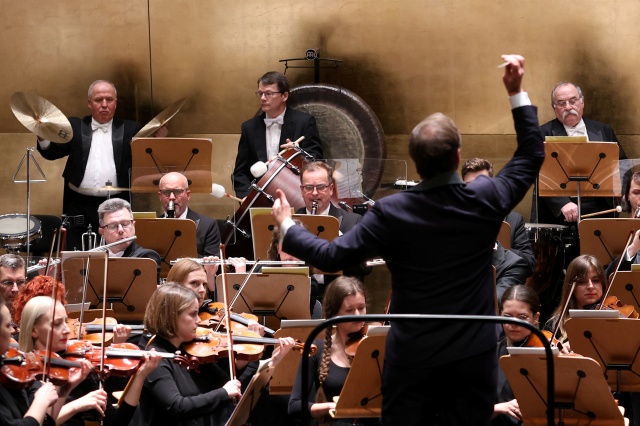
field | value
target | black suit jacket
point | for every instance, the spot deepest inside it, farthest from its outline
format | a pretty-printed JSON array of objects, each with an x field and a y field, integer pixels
[
  {"x": 549, "y": 208},
  {"x": 134, "y": 250},
  {"x": 511, "y": 269},
  {"x": 520, "y": 242},
  {"x": 253, "y": 144},
  {"x": 207, "y": 234},
  {"x": 78, "y": 149},
  {"x": 437, "y": 240}
]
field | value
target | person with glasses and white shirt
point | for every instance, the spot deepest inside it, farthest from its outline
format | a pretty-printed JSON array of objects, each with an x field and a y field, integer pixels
[
  {"x": 174, "y": 195},
  {"x": 12, "y": 278},
  {"x": 99, "y": 155},
  {"x": 567, "y": 102},
  {"x": 263, "y": 135},
  {"x": 116, "y": 223}
]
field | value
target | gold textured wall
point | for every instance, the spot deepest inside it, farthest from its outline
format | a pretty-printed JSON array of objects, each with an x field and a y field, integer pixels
[{"x": 406, "y": 58}]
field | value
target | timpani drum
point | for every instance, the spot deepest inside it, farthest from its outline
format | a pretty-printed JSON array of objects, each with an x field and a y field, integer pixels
[{"x": 13, "y": 230}]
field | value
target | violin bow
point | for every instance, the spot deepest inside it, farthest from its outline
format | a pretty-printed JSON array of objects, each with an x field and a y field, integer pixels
[
  {"x": 54, "y": 297},
  {"x": 564, "y": 311},
  {"x": 232, "y": 361},
  {"x": 233, "y": 301},
  {"x": 615, "y": 272}
]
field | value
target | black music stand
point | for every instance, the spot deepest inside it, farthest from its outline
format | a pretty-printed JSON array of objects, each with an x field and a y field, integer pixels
[
  {"x": 605, "y": 238},
  {"x": 361, "y": 395},
  {"x": 285, "y": 373},
  {"x": 251, "y": 396},
  {"x": 262, "y": 226},
  {"x": 171, "y": 238},
  {"x": 130, "y": 283},
  {"x": 568, "y": 164},
  {"x": 614, "y": 343},
  {"x": 271, "y": 297},
  {"x": 154, "y": 157},
  {"x": 626, "y": 287},
  {"x": 582, "y": 395}
]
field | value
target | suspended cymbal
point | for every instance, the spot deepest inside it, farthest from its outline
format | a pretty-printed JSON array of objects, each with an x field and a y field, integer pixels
[
  {"x": 161, "y": 119},
  {"x": 110, "y": 188},
  {"x": 41, "y": 117}
]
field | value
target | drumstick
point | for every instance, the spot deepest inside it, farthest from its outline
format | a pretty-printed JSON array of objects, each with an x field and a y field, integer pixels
[
  {"x": 617, "y": 209},
  {"x": 504, "y": 64},
  {"x": 260, "y": 168}
]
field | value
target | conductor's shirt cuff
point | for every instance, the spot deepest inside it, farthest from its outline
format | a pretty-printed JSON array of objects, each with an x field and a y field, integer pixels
[
  {"x": 284, "y": 227},
  {"x": 519, "y": 99}
]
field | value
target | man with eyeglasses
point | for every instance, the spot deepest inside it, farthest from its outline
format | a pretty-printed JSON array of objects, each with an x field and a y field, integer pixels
[
  {"x": 99, "y": 152},
  {"x": 317, "y": 184},
  {"x": 116, "y": 223},
  {"x": 12, "y": 277},
  {"x": 262, "y": 136},
  {"x": 567, "y": 102},
  {"x": 174, "y": 193}
]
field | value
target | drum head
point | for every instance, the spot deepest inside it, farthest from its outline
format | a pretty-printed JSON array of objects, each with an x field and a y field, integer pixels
[
  {"x": 13, "y": 229},
  {"x": 348, "y": 128}
]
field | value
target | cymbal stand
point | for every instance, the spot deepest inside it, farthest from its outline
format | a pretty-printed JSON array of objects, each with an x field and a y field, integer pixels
[{"x": 29, "y": 157}]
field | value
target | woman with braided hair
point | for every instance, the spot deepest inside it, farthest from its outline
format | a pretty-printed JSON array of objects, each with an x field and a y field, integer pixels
[{"x": 329, "y": 367}]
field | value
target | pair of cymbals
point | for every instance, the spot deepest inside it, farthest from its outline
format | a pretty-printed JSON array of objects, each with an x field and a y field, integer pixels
[
  {"x": 161, "y": 119},
  {"x": 41, "y": 117}
]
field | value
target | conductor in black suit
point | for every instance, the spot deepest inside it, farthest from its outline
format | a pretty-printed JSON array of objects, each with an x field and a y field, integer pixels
[
  {"x": 567, "y": 102},
  {"x": 262, "y": 136},
  {"x": 437, "y": 240},
  {"x": 174, "y": 194},
  {"x": 99, "y": 155}
]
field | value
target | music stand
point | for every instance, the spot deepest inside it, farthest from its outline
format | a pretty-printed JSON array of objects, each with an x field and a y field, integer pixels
[
  {"x": 568, "y": 164},
  {"x": 152, "y": 158},
  {"x": 504, "y": 235},
  {"x": 582, "y": 395},
  {"x": 171, "y": 238},
  {"x": 251, "y": 396},
  {"x": 626, "y": 287},
  {"x": 361, "y": 395},
  {"x": 130, "y": 283},
  {"x": 271, "y": 297},
  {"x": 614, "y": 343},
  {"x": 605, "y": 238},
  {"x": 285, "y": 373}
]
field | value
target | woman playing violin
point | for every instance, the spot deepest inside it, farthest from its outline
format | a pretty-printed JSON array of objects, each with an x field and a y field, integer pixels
[
  {"x": 36, "y": 322},
  {"x": 519, "y": 302},
  {"x": 17, "y": 407},
  {"x": 329, "y": 367},
  {"x": 186, "y": 396}
]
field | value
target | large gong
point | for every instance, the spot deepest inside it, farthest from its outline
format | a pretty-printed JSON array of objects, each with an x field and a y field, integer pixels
[{"x": 348, "y": 128}]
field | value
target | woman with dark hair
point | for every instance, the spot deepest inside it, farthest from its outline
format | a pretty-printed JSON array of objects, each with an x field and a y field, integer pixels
[
  {"x": 588, "y": 275},
  {"x": 329, "y": 367},
  {"x": 521, "y": 302}
]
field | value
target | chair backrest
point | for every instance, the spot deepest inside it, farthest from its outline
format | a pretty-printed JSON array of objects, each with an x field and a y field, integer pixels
[{"x": 49, "y": 223}]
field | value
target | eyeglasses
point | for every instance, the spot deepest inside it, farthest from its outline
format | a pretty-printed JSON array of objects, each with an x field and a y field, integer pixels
[
  {"x": 265, "y": 94},
  {"x": 520, "y": 317},
  {"x": 175, "y": 192},
  {"x": 309, "y": 188},
  {"x": 563, "y": 102},
  {"x": 126, "y": 224},
  {"x": 9, "y": 283}
]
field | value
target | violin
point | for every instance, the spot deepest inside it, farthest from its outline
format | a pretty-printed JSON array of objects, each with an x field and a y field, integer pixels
[
  {"x": 92, "y": 331},
  {"x": 120, "y": 359},
  {"x": 533, "y": 341},
  {"x": 20, "y": 370},
  {"x": 211, "y": 314},
  {"x": 209, "y": 346},
  {"x": 626, "y": 311},
  {"x": 354, "y": 340}
]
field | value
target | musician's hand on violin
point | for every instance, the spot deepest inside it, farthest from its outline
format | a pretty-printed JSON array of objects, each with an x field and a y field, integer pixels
[
  {"x": 322, "y": 408},
  {"x": 96, "y": 400},
  {"x": 47, "y": 395},
  {"x": 233, "y": 388},
  {"x": 281, "y": 209},
  {"x": 256, "y": 327},
  {"x": 76, "y": 376},
  {"x": 566, "y": 349},
  {"x": 239, "y": 264},
  {"x": 121, "y": 333},
  {"x": 285, "y": 346},
  {"x": 510, "y": 408},
  {"x": 513, "y": 72},
  {"x": 148, "y": 364},
  {"x": 211, "y": 269},
  {"x": 570, "y": 212}
]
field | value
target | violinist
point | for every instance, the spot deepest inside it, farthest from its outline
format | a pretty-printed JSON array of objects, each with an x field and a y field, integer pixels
[
  {"x": 174, "y": 395},
  {"x": 589, "y": 277},
  {"x": 632, "y": 204},
  {"x": 12, "y": 277},
  {"x": 329, "y": 367},
  {"x": 36, "y": 325},
  {"x": 17, "y": 407},
  {"x": 519, "y": 302}
]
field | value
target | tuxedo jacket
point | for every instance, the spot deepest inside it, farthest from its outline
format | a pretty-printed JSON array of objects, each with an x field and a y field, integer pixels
[
  {"x": 511, "y": 269},
  {"x": 207, "y": 234},
  {"x": 253, "y": 144},
  {"x": 78, "y": 149},
  {"x": 437, "y": 240},
  {"x": 520, "y": 242},
  {"x": 549, "y": 208}
]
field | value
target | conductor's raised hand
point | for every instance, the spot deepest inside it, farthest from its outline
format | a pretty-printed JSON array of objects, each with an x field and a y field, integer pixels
[
  {"x": 281, "y": 208},
  {"x": 513, "y": 72}
]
